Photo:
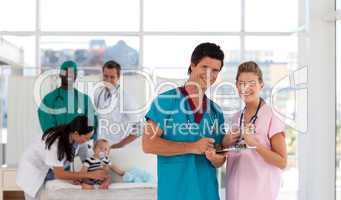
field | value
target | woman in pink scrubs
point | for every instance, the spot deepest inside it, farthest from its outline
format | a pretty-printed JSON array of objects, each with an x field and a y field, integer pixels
[{"x": 255, "y": 173}]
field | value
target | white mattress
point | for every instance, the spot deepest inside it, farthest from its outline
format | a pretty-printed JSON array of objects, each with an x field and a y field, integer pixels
[{"x": 62, "y": 190}]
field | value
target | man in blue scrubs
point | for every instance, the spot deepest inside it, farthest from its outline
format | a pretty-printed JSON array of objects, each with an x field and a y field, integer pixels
[{"x": 182, "y": 128}]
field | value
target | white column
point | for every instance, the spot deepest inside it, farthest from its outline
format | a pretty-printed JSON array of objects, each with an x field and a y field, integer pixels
[{"x": 317, "y": 150}]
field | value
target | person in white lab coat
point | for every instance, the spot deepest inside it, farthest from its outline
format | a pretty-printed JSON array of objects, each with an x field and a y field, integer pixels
[
  {"x": 114, "y": 124},
  {"x": 51, "y": 151}
]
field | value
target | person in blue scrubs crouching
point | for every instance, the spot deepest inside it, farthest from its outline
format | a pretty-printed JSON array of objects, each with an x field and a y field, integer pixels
[{"x": 182, "y": 128}]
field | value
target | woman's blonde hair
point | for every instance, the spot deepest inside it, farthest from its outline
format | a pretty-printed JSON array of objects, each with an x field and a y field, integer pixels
[{"x": 252, "y": 67}]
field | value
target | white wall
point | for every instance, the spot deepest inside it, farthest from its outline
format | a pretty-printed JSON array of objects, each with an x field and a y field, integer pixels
[{"x": 317, "y": 147}]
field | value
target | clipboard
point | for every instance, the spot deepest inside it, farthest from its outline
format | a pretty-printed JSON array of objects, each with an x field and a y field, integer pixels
[{"x": 234, "y": 149}]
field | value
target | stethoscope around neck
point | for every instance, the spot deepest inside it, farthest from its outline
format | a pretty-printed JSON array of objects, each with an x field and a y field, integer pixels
[
  {"x": 59, "y": 97},
  {"x": 253, "y": 118},
  {"x": 103, "y": 89}
]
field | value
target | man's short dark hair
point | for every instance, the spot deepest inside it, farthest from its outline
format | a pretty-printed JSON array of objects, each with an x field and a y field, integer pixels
[
  {"x": 206, "y": 49},
  {"x": 111, "y": 64}
]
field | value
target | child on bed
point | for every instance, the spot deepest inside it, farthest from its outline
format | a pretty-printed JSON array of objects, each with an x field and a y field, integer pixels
[{"x": 99, "y": 161}]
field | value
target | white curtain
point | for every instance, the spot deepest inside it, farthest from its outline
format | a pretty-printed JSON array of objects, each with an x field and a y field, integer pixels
[{"x": 22, "y": 117}]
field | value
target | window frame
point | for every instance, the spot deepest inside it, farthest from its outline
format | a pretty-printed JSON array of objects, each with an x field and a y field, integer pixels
[{"x": 38, "y": 33}]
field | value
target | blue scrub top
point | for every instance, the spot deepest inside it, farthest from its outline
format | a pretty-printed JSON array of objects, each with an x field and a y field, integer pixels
[{"x": 188, "y": 176}]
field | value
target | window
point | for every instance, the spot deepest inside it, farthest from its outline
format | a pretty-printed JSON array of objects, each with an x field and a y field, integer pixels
[
  {"x": 192, "y": 15},
  {"x": 90, "y": 15},
  {"x": 272, "y": 16},
  {"x": 89, "y": 51},
  {"x": 21, "y": 14},
  {"x": 20, "y": 50},
  {"x": 159, "y": 36},
  {"x": 169, "y": 56}
]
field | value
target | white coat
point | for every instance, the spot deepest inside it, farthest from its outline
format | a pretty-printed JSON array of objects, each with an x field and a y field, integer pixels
[
  {"x": 114, "y": 123},
  {"x": 34, "y": 165}
]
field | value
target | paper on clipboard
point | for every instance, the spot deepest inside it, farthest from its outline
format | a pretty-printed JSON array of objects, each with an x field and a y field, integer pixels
[{"x": 234, "y": 149}]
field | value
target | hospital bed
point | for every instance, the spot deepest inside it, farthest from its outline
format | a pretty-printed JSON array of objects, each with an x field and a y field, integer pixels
[
  {"x": 126, "y": 158},
  {"x": 61, "y": 190}
]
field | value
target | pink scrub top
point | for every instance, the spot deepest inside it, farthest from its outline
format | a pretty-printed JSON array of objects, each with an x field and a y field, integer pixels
[{"x": 248, "y": 176}]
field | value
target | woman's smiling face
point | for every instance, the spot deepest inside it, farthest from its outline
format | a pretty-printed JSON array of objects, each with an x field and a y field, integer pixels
[{"x": 249, "y": 86}]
